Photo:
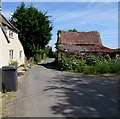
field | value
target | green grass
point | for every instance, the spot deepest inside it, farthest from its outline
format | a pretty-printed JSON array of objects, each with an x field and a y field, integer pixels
[
  {"x": 7, "y": 97},
  {"x": 19, "y": 84}
]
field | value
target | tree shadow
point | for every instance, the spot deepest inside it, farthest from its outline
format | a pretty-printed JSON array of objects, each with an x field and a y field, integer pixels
[
  {"x": 50, "y": 65},
  {"x": 80, "y": 95}
]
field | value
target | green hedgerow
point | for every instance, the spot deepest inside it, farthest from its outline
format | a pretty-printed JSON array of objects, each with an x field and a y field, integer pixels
[
  {"x": 89, "y": 66},
  {"x": 92, "y": 60},
  {"x": 90, "y": 70},
  {"x": 114, "y": 67},
  {"x": 79, "y": 67},
  {"x": 103, "y": 67}
]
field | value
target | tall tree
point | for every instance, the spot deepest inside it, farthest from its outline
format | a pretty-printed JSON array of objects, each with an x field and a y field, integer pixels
[{"x": 35, "y": 28}]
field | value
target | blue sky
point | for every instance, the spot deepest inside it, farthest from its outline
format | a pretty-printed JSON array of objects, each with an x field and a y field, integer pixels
[{"x": 83, "y": 16}]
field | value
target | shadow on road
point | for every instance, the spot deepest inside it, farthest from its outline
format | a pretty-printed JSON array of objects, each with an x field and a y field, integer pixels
[
  {"x": 83, "y": 96},
  {"x": 80, "y": 95},
  {"x": 50, "y": 64}
]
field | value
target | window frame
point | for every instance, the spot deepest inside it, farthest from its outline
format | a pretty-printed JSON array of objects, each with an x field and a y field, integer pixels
[
  {"x": 5, "y": 28},
  {"x": 20, "y": 54},
  {"x": 11, "y": 55},
  {"x": 10, "y": 33}
]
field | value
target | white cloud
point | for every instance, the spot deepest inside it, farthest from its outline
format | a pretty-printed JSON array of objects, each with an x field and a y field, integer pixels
[
  {"x": 84, "y": 17},
  {"x": 95, "y": 13},
  {"x": 100, "y": 17},
  {"x": 93, "y": 16}
]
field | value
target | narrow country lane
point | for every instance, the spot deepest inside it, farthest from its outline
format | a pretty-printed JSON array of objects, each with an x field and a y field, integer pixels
[{"x": 47, "y": 92}]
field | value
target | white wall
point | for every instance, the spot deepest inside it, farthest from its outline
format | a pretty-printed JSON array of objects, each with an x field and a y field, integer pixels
[
  {"x": 0, "y": 47},
  {"x": 15, "y": 45},
  {"x": 4, "y": 54}
]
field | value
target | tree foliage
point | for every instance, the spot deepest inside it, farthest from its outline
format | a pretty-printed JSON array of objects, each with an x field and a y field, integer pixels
[
  {"x": 74, "y": 30},
  {"x": 118, "y": 50},
  {"x": 35, "y": 28}
]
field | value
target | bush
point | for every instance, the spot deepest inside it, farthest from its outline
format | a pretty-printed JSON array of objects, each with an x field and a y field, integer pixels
[
  {"x": 108, "y": 67},
  {"x": 68, "y": 64},
  {"x": 114, "y": 67},
  {"x": 91, "y": 60},
  {"x": 78, "y": 66},
  {"x": 64, "y": 63},
  {"x": 13, "y": 63},
  {"x": 91, "y": 65},
  {"x": 37, "y": 57},
  {"x": 90, "y": 70},
  {"x": 103, "y": 67}
]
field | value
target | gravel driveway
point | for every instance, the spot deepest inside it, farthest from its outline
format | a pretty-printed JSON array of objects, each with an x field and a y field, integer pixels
[{"x": 47, "y": 92}]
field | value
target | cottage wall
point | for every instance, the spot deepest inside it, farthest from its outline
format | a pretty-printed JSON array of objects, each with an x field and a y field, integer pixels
[
  {"x": 4, "y": 55},
  {"x": 0, "y": 47},
  {"x": 5, "y": 47},
  {"x": 16, "y": 45}
]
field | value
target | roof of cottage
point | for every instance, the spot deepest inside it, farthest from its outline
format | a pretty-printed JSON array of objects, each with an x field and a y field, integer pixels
[
  {"x": 4, "y": 34},
  {"x": 5, "y": 22}
]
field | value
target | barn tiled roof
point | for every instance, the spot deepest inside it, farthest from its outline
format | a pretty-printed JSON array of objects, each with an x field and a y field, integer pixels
[
  {"x": 82, "y": 42},
  {"x": 85, "y": 48},
  {"x": 92, "y": 37}
]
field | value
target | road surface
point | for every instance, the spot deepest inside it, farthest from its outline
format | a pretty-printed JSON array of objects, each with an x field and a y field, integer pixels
[{"x": 47, "y": 92}]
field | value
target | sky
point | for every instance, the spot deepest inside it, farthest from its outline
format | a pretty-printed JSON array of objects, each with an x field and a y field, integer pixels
[{"x": 83, "y": 16}]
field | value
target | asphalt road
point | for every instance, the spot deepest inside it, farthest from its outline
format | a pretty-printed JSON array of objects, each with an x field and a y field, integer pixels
[{"x": 47, "y": 92}]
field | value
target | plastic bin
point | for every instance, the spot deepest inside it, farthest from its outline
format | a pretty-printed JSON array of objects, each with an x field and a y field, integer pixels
[{"x": 9, "y": 78}]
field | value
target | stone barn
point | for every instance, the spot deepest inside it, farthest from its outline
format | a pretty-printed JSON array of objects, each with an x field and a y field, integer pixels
[{"x": 77, "y": 45}]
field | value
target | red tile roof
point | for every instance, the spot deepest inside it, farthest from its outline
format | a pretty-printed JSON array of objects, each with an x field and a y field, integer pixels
[
  {"x": 85, "y": 48},
  {"x": 96, "y": 48},
  {"x": 82, "y": 42},
  {"x": 92, "y": 37}
]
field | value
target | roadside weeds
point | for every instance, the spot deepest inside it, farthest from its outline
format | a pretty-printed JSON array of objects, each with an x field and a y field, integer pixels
[{"x": 9, "y": 97}]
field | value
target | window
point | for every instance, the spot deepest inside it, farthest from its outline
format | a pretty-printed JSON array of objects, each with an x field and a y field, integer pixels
[
  {"x": 20, "y": 54},
  {"x": 5, "y": 28},
  {"x": 10, "y": 34},
  {"x": 11, "y": 54}
]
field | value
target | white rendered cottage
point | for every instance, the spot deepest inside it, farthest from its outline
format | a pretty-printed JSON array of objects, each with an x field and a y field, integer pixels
[{"x": 11, "y": 48}]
